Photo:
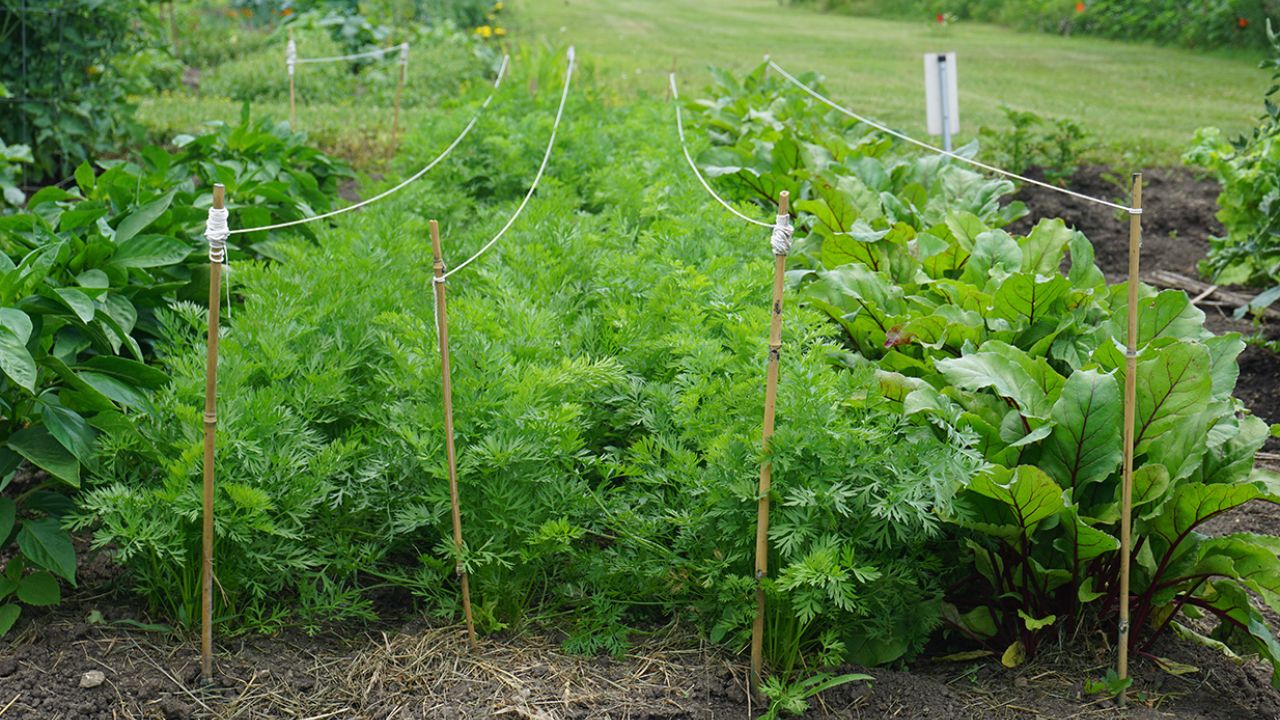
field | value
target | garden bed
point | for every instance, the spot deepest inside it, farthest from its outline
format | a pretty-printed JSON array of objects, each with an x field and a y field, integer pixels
[{"x": 405, "y": 668}]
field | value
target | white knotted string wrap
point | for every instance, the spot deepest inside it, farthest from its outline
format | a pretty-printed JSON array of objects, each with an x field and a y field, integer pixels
[
  {"x": 291, "y": 55},
  {"x": 216, "y": 233},
  {"x": 404, "y": 57},
  {"x": 781, "y": 238}
]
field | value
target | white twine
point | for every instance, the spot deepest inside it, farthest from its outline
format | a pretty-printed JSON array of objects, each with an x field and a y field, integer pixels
[
  {"x": 216, "y": 233},
  {"x": 502, "y": 69},
  {"x": 376, "y": 52},
  {"x": 546, "y": 156},
  {"x": 404, "y": 56},
  {"x": 781, "y": 238},
  {"x": 675, "y": 95},
  {"x": 919, "y": 143},
  {"x": 291, "y": 55}
]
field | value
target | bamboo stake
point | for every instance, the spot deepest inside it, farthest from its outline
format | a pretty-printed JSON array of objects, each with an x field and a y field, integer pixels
[
  {"x": 291, "y": 55},
  {"x": 1130, "y": 404},
  {"x": 766, "y": 469},
  {"x": 210, "y": 427},
  {"x": 404, "y": 69},
  {"x": 446, "y": 381}
]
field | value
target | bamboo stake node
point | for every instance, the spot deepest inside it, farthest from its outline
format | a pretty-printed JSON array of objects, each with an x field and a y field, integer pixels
[
  {"x": 446, "y": 381},
  {"x": 216, "y": 225},
  {"x": 1130, "y": 405},
  {"x": 766, "y": 468}
]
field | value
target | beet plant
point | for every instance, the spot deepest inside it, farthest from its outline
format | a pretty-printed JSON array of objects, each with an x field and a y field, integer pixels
[{"x": 1015, "y": 342}]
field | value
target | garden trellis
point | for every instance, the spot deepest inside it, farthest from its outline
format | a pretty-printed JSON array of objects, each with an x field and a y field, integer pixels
[
  {"x": 217, "y": 232},
  {"x": 1134, "y": 211}
]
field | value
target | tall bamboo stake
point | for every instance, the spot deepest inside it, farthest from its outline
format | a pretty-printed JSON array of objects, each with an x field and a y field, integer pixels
[
  {"x": 210, "y": 427},
  {"x": 766, "y": 469},
  {"x": 1130, "y": 403},
  {"x": 404, "y": 70},
  {"x": 173, "y": 28},
  {"x": 291, "y": 59},
  {"x": 446, "y": 381}
]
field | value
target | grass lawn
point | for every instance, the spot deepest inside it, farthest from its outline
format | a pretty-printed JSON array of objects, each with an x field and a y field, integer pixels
[{"x": 1142, "y": 103}]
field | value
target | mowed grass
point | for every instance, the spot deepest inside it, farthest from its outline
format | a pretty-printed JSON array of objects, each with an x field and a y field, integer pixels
[{"x": 1140, "y": 102}]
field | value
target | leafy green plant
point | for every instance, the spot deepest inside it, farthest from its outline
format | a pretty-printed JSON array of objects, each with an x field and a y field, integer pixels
[
  {"x": 1247, "y": 168},
  {"x": 985, "y": 335},
  {"x": 607, "y": 412},
  {"x": 1033, "y": 141},
  {"x": 793, "y": 698},
  {"x": 60, "y": 62},
  {"x": 12, "y": 158}
]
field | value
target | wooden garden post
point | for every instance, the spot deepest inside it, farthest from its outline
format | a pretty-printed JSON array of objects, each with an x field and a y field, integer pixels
[
  {"x": 216, "y": 234},
  {"x": 1130, "y": 405},
  {"x": 291, "y": 60},
  {"x": 404, "y": 70},
  {"x": 770, "y": 402},
  {"x": 446, "y": 381}
]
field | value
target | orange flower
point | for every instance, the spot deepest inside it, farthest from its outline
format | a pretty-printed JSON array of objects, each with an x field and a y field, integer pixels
[
  {"x": 288, "y": 12},
  {"x": 1079, "y": 7},
  {"x": 1242, "y": 23}
]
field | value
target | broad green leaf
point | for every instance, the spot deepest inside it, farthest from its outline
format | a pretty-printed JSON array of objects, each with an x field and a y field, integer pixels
[
  {"x": 1010, "y": 372},
  {"x": 9, "y": 613},
  {"x": 1150, "y": 483},
  {"x": 16, "y": 360},
  {"x": 70, "y": 429},
  {"x": 1084, "y": 272},
  {"x": 39, "y": 589},
  {"x": 1023, "y": 297},
  {"x": 1024, "y": 496},
  {"x": 1014, "y": 655},
  {"x": 139, "y": 219},
  {"x": 1223, "y": 351},
  {"x": 1173, "y": 383},
  {"x": 1042, "y": 250},
  {"x": 76, "y": 301},
  {"x": 118, "y": 390},
  {"x": 8, "y": 515},
  {"x": 1034, "y": 624},
  {"x": 1193, "y": 503},
  {"x": 1167, "y": 314},
  {"x": 147, "y": 251},
  {"x": 1082, "y": 540},
  {"x": 966, "y": 227},
  {"x": 17, "y": 322},
  {"x": 132, "y": 371},
  {"x": 995, "y": 253},
  {"x": 47, "y": 545},
  {"x": 1085, "y": 446},
  {"x": 45, "y": 452}
]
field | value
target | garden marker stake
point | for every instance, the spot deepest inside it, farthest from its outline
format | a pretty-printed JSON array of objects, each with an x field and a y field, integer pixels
[
  {"x": 781, "y": 242},
  {"x": 215, "y": 232},
  {"x": 291, "y": 60},
  {"x": 1130, "y": 402},
  {"x": 442, "y": 332},
  {"x": 404, "y": 70}
]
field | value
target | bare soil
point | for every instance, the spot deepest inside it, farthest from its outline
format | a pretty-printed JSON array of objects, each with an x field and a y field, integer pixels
[{"x": 409, "y": 669}]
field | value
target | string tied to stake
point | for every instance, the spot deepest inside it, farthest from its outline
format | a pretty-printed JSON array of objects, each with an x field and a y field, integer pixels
[
  {"x": 217, "y": 232},
  {"x": 781, "y": 238},
  {"x": 291, "y": 55},
  {"x": 404, "y": 55}
]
